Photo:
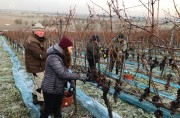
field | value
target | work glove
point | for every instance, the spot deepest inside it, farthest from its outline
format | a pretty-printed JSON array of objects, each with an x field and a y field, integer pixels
[
  {"x": 72, "y": 85},
  {"x": 83, "y": 77}
]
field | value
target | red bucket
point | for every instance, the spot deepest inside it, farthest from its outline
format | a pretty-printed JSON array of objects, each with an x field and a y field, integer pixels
[{"x": 67, "y": 99}]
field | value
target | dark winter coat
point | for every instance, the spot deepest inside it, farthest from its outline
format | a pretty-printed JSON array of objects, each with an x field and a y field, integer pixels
[
  {"x": 92, "y": 50},
  {"x": 56, "y": 73},
  {"x": 35, "y": 54}
]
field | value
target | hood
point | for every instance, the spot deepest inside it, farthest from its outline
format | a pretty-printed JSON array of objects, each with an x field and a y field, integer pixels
[{"x": 54, "y": 49}]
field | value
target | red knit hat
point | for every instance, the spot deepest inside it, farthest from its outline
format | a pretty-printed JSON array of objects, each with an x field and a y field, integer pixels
[{"x": 65, "y": 42}]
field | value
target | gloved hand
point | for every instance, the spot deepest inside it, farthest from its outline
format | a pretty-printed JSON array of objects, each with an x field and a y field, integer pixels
[
  {"x": 72, "y": 85},
  {"x": 83, "y": 78}
]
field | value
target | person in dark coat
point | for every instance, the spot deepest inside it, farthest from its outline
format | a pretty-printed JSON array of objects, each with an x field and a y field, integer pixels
[
  {"x": 35, "y": 57},
  {"x": 56, "y": 74},
  {"x": 93, "y": 56}
]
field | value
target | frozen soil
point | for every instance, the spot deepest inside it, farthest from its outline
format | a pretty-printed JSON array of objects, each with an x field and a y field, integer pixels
[
  {"x": 11, "y": 102},
  {"x": 122, "y": 108}
]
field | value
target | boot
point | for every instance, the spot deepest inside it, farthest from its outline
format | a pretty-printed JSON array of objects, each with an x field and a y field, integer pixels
[
  {"x": 35, "y": 101},
  {"x": 42, "y": 106}
]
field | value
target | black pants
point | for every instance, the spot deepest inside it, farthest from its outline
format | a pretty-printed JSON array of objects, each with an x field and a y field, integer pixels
[
  {"x": 91, "y": 68},
  {"x": 52, "y": 105}
]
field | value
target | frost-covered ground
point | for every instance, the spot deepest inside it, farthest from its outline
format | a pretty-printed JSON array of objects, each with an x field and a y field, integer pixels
[
  {"x": 122, "y": 108},
  {"x": 11, "y": 103},
  {"x": 17, "y": 110}
]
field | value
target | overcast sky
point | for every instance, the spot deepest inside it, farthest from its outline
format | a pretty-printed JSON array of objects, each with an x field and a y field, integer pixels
[{"x": 81, "y": 6}]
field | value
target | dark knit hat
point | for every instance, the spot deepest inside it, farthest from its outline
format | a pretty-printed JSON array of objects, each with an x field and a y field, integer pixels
[
  {"x": 95, "y": 38},
  {"x": 121, "y": 36},
  {"x": 65, "y": 42}
]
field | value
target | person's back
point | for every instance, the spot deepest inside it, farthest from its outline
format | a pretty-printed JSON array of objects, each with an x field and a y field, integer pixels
[
  {"x": 53, "y": 83},
  {"x": 92, "y": 48},
  {"x": 56, "y": 74},
  {"x": 92, "y": 55}
]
